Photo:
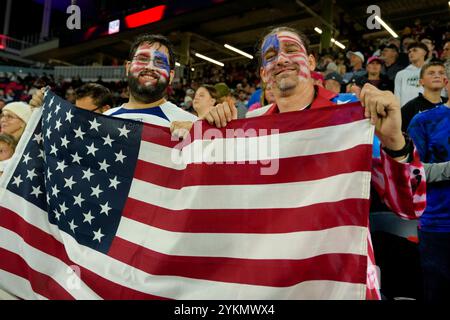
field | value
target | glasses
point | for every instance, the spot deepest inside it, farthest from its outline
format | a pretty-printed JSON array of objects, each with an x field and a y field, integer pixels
[
  {"x": 8, "y": 117},
  {"x": 157, "y": 61}
]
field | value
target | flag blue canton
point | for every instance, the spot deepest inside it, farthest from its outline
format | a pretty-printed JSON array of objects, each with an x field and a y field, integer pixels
[{"x": 78, "y": 167}]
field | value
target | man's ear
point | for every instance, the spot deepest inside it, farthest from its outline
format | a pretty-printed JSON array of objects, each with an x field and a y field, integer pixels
[
  {"x": 172, "y": 75},
  {"x": 127, "y": 68},
  {"x": 312, "y": 62},
  {"x": 421, "y": 82},
  {"x": 263, "y": 75}
]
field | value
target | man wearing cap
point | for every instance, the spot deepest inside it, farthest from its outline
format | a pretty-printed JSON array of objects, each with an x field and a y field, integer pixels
[
  {"x": 356, "y": 61},
  {"x": 374, "y": 76},
  {"x": 392, "y": 65},
  {"x": 407, "y": 85},
  {"x": 333, "y": 82}
]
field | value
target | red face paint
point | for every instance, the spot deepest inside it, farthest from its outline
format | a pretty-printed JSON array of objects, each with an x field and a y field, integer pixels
[
  {"x": 289, "y": 56},
  {"x": 150, "y": 65}
]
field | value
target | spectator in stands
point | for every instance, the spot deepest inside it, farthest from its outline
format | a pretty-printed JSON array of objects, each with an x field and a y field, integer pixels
[
  {"x": 317, "y": 78},
  {"x": 7, "y": 148},
  {"x": 356, "y": 61},
  {"x": 445, "y": 55},
  {"x": 187, "y": 101},
  {"x": 392, "y": 66},
  {"x": 241, "y": 103},
  {"x": 205, "y": 98},
  {"x": 150, "y": 70},
  {"x": 334, "y": 82},
  {"x": 407, "y": 85},
  {"x": 70, "y": 95},
  {"x": 433, "y": 80},
  {"x": 93, "y": 97},
  {"x": 286, "y": 65},
  {"x": 265, "y": 99},
  {"x": 430, "y": 131},
  {"x": 14, "y": 118},
  {"x": 432, "y": 54},
  {"x": 374, "y": 76}
]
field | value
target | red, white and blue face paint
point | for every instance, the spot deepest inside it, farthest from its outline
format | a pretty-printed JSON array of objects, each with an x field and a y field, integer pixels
[
  {"x": 150, "y": 65},
  {"x": 149, "y": 72},
  {"x": 284, "y": 54}
]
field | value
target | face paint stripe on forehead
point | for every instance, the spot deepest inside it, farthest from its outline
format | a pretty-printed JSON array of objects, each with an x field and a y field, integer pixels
[{"x": 292, "y": 39}]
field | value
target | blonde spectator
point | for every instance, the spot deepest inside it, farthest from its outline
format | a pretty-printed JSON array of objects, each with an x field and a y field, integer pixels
[
  {"x": 7, "y": 148},
  {"x": 14, "y": 118}
]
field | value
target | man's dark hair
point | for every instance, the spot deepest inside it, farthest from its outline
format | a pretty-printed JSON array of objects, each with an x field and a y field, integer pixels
[
  {"x": 430, "y": 64},
  {"x": 151, "y": 39},
  {"x": 100, "y": 95},
  {"x": 303, "y": 38},
  {"x": 419, "y": 45}
]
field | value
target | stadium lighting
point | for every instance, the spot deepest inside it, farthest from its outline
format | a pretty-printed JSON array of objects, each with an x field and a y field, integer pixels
[
  {"x": 177, "y": 64},
  {"x": 192, "y": 69},
  {"x": 209, "y": 59},
  {"x": 386, "y": 26},
  {"x": 318, "y": 30},
  {"x": 340, "y": 45},
  {"x": 245, "y": 54}
]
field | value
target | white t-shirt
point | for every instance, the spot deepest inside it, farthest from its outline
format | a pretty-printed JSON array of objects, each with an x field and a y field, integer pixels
[{"x": 161, "y": 115}]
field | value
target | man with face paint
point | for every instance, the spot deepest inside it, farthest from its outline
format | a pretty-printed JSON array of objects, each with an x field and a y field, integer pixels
[
  {"x": 398, "y": 175},
  {"x": 150, "y": 70}
]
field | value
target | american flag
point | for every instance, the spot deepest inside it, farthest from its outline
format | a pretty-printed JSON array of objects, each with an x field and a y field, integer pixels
[{"x": 96, "y": 207}]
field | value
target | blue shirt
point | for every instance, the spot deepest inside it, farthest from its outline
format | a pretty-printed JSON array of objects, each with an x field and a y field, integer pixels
[{"x": 430, "y": 131}]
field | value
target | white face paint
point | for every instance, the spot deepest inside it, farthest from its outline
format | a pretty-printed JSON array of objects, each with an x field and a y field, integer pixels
[{"x": 285, "y": 60}]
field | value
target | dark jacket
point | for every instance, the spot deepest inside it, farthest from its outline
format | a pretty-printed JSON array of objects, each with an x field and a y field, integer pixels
[
  {"x": 383, "y": 84},
  {"x": 416, "y": 105}
]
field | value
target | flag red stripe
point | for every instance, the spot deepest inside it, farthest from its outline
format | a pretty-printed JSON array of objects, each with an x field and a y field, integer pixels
[
  {"x": 310, "y": 218},
  {"x": 296, "y": 169},
  {"x": 276, "y": 273},
  {"x": 41, "y": 283},
  {"x": 46, "y": 243},
  {"x": 311, "y": 119}
]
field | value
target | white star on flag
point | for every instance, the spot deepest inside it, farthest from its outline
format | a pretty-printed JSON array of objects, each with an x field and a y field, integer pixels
[
  {"x": 123, "y": 131},
  {"x": 92, "y": 149},
  {"x": 98, "y": 235},
  {"x": 88, "y": 217},
  {"x": 63, "y": 208},
  {"x": 87, "y": 174},
  {"x": 31, "y": 174},
  {"x": 108, "y": 141},
  {"x": 69, "y": 182},
  {"x": 105, "y": 208},
  {"x": 113, "y": 183},
  {"x": 120, "y": 156},
  {"x": 103, "y": 165},
  {"x": 69, "y": 116},
  {"x": 76, "y": 158},
  {"x": 79, "y": 133},
  {"x": 96, "y": 191},
  {"x": 78, "y": 200},
  {"x": 94, "y": 124},
  {"x": 72, "y": 225},
  {"x": 36, "y": 191}
]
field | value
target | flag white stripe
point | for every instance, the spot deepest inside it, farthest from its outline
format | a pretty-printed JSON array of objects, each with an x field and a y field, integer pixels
[
  {"x": 17, "y": 286},
  {"x": 344, "y": 239},
  {"x": 276, "y": 146},
  {"x": 282, "y": 195},
  {"x": 180, "y": 287},
  {"x": 46, "y": 264}
]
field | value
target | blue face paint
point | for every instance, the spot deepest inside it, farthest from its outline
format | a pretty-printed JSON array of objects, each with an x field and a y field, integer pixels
[
  {"x": 160, "y": 60},
  {"x": 271, "y": 42}
]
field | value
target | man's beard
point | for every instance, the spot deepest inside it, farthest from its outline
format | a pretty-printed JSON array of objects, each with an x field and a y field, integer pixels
[{"x": 146, "y": 94}]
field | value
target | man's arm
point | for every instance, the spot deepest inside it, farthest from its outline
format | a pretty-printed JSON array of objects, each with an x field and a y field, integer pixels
[
  {"x": 437, "y": 172},
  {"x": 401, "y": 186}
]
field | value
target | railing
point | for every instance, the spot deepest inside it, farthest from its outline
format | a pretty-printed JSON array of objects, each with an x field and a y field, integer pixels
[
  {"x": 12, "y": 45},
  {"x": 91, "y": 73},
  {"x": 24, "y": 71}
]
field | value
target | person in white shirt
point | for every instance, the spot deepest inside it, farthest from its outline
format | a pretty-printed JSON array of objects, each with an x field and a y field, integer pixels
[
  {"x": 150, "y": 70},
  {"x": 407, "y": 86}
]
